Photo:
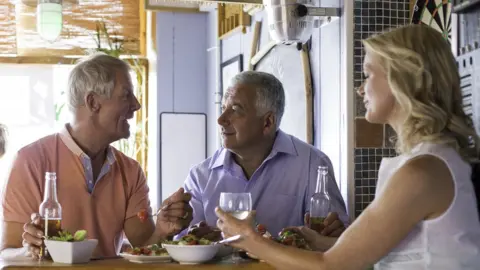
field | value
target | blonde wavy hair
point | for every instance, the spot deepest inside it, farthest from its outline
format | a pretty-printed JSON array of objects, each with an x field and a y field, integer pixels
[{"x": 424, "y": 79}]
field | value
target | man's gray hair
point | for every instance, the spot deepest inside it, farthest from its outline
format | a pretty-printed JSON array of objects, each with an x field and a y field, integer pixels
[
  {"x": 270, "y": 92},
  {"x": 95, "y": 73},
  {"x": 3, "y": 139}
]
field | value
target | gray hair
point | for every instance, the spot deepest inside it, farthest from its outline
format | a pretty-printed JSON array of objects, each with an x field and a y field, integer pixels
[
  {"x": 95, "y": 73},
  {"x": 270, "y": 92},
  {"x": 3, "y": 139}
]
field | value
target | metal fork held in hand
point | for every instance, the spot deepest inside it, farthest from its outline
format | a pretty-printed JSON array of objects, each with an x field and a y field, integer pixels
[{"x": 228, "y": 240}]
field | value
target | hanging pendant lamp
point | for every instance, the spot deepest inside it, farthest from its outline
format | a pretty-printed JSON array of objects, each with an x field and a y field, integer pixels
[{"x": 49, "y": 19}]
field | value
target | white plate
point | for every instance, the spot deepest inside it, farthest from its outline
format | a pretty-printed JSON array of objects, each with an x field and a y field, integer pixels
[{"x": 146, "y": 258}]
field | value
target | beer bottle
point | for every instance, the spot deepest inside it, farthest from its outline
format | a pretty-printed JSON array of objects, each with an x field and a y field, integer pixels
[
  {"x": 50, "y": 211},
  {"x": 320, "y": 201}
]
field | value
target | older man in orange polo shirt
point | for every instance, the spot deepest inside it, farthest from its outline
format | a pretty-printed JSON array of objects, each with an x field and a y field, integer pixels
[{"x": 99, "y": 188}]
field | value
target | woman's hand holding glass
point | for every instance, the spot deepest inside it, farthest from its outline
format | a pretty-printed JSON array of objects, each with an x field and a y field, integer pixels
[
  {"x": 235, "y": 216},
  {"x": 232, "y": 226}
]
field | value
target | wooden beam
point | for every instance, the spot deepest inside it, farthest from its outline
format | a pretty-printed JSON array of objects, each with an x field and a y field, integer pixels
[
  {"x": 49, "y": 60},
  {"x": 255, "y": 41},
  {"x": 55, "y": 60},
  {"x": 153, "y": 34},
  {"x": 143, "y": 28},
  {"x": 307, "y": 75}
]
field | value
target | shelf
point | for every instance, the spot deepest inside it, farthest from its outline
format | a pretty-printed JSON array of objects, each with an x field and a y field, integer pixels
[{"x": 232, "y": 19}]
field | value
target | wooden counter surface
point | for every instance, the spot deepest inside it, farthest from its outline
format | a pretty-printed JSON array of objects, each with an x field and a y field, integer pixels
[{"x": 122, "y": 264}]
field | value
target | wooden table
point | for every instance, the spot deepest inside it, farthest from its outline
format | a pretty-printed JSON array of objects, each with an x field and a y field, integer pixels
[{"x": 121, "y": 264}]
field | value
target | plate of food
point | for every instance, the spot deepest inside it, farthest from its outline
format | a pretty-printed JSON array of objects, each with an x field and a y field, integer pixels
[
  {"x": 149, "y": 254},
  {"x": 286, "y": 237}
]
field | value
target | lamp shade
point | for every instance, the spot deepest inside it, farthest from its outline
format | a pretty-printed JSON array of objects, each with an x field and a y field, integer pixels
[{"x": 49, "y": 19}]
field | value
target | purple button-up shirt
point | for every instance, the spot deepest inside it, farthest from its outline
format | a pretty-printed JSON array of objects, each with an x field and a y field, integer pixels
[{"x": 281, "y": 187}]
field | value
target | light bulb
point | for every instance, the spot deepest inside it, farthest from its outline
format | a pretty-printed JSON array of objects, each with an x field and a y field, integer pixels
[{"x": 49, "y": 19}]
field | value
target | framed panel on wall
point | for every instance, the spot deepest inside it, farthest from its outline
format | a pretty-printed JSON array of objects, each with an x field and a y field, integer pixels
[{"x": 175, "y": 137}]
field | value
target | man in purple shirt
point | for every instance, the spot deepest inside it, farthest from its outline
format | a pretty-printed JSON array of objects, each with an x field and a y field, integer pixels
[{"x": 279, "y": 170}]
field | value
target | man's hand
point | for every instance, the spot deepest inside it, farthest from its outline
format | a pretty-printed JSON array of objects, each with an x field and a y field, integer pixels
[
  {"x": 175, "y": 214},
  {"x": 315, "y": 241},
  {"x": 32, "y": 236},
  {"x": 202, "y": 230},
  {"x": 332, "y": 225}
]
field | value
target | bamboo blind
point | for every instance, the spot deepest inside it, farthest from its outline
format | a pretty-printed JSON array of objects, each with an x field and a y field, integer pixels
[
  {"x": 7, "y": 27},
  {"x": 79, "y": 25}
]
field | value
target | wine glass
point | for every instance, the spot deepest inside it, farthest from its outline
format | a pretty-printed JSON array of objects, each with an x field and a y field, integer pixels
[{"x": 239, "y": 205}]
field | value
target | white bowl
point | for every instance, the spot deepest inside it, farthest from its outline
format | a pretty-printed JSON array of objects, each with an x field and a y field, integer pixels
[
  {"x": 71, "y": 252},
  {"x": 224, "y": 251},
  {"x": 193, "y": 254}
]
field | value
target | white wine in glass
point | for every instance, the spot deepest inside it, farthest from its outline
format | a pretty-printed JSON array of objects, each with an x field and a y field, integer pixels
[{"x": 238, "y": 205}]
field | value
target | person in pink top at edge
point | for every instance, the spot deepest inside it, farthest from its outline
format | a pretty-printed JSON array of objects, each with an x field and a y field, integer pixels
[{"x": 99, "y": 188}]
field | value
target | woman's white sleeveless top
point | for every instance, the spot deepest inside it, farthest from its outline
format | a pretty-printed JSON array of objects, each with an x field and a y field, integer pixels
[{"x": 449, "y": 242}]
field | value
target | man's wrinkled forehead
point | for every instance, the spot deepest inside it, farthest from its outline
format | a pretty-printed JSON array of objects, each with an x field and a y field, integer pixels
[{"x": 239, "y": 93}]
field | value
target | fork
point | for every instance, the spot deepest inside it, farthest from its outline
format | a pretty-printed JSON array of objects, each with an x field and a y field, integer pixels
[{"x": 228, "y": 240}]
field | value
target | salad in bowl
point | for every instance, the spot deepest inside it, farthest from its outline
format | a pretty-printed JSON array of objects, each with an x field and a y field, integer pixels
[
  {"x": 190, "y": 249},
  {"x": 71, "y": 248}
]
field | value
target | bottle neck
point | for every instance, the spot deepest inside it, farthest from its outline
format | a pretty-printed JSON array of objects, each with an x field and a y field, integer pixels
[
  {"x": 322, "y": 182},
  {"x": 50, "y": 190}
]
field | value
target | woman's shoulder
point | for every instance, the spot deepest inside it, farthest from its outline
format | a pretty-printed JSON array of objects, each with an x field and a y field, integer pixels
[{"x": 426, "y": 169}]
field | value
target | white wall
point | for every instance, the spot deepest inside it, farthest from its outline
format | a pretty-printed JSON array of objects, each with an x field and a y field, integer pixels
[
  {"x": 182, "y": 76},
  {"x": 182, "y": 80},
  {"x": 213, "y": 68},
  {"x": 153, "y": 128}
]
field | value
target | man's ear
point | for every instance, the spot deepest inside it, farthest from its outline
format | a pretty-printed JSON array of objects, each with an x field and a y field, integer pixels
[
  {"x": 92, "y": 102},
  {"x": 269, "y": 122}
]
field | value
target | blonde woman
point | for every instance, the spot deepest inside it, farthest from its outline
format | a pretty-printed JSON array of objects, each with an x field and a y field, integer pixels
[{"x": 425, "y": 214}]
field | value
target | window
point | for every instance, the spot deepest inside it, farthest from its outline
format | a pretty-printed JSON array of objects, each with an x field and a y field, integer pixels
[{"x": 33, "y": 105}]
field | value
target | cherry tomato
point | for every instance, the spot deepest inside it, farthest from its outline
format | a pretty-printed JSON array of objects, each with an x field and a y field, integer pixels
[
  {"x": 142, "y": 215},
  {"x": 261, "y": 229}
]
